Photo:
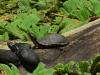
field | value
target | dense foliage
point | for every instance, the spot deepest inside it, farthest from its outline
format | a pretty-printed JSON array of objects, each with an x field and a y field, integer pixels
[{"x": 42, "y": 17}]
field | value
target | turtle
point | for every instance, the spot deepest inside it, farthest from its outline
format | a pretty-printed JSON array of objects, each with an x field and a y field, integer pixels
[
  {"x": 7, "y": 56},
  {"x": 49, "y": 41},
  {"x": 27, "y": 57}
]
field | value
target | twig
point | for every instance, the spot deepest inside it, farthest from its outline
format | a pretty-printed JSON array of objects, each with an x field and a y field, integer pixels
[
  {"x": 6, "y": 17},
  {"x": 94, "y": 17},
  {"x": 48, "y": 19},
  {"x": 55, "y": 14}
]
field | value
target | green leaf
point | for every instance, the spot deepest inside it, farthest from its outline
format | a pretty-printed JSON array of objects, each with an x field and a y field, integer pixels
[
  {"x": 70, "y": 24},
  {"x": 96, "y": 55},
  {"x": 82, "y": 14},
  {"x": 14, "y": 69},
  {"x": 21, "y": 16},
  {"x": 85, "y": 73},
  {"x": 29, "y": 73},
  {"x": 90, "y": 8},
  {"x": 53, "y": 29},
  {"x": 81, "y": 3},
  {"x": 5, "y": 36},
  {"x": 96, "y": 68},
  {"x": 47, "y": 72},
  {"x": 6, "y": 69},
  {"x": 23, "y": 4},
  {"x": 67, "y": 67},
  {"x": 91, "y": 61},
  {"x": 70, "y": 6},
  {"x": 77, "y": 66},
  {"x": 38, "y": 69},
  {"x": 58, "y": 19},
  {"x": 41, "y": 71},
  {"x": 35, "y": 19},
  {"x": 2, "y": 24},
  {"x": 16, "y": 22},
  {"x": 96, "y": 60},
  {"x": 59, "y": 68},
  {"x": 44, "y": 29},
  {"x": 35, "y": 30},
  {"x": 76, "y": 72},
  {"x": 66, "y": 74},
  {"x": 96, "y": 6},
  {"x": 2, "y": 31},
  {"x": 54, "y": 9},
  {"x": 71, "y": 63},
  {"x": 97, "y": 73},
  {"x": 44, "y": 4},
  {"x": 0, "y": 37},
  {"x": 64, "y": 23},
  {"x": 64, "y": 11},
  {"x": 84, "y": 66},
  {"x": 16, "y": 31},
  {"x": 28, "y": 21},
  {"x": 37, "y": 13}
]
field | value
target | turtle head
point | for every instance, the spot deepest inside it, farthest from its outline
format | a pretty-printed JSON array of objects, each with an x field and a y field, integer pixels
[
  {"x": 13, "y": 48},
  {"x": 33, "y": 39}
]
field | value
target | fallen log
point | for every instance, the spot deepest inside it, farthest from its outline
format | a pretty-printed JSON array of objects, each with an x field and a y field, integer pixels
[{"x": 84, "y": 43}]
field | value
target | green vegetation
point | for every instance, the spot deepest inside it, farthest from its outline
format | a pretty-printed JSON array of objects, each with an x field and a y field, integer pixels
[
  {"x": 42, "y": 17},
  {"x": 82, "y": 68}
]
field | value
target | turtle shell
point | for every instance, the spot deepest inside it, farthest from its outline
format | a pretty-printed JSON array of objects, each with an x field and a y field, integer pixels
[
  {"x": 53, "y": 40},
  {"x": 6, "y": 57}
]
